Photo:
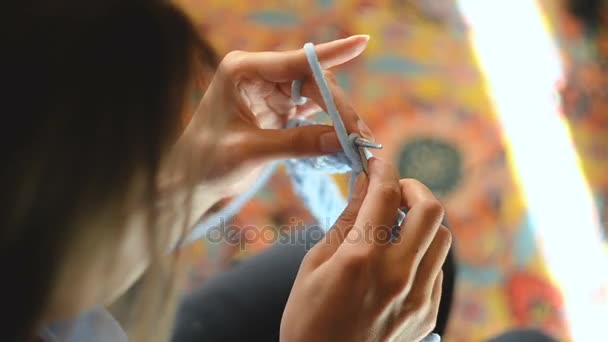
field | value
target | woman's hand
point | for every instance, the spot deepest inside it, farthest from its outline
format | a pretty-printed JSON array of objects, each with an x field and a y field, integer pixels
[
  {"x": 251, "y": 93},
  {"x": 357, "y": 284},
  {"x": 239, "y": 126}
]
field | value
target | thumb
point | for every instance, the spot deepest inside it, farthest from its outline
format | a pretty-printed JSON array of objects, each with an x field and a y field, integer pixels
[{"x": 304, "y": 141}]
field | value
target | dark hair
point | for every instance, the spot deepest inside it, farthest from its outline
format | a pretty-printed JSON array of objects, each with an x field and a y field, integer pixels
[
  {"x": 591, "y": 12},
  {"x": 95, "y": 93}
]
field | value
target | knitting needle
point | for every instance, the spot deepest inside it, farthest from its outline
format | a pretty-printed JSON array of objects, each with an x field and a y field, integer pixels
[
  {"x": 366, "y": 143},
  {"x": 362, "y": 143}
]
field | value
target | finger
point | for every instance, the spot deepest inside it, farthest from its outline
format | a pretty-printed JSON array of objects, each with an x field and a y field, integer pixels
[
  {"x": 418, "y": 318},
  {"x": 287, "y": 66},
  {"x": 430, "y": 320},
  {"x": 303, "y": 141},
  {"x": 423, "y": 219},
  {"x": 430, "y": 267},
  {"x": 435, "y": 302},
  {"x": 378, "y": 211},
  {"x": 308, "y": 109},
  {"x": 414, "y": 192},
  {"x": 336, "y": 235},
  {"x": 352, "y": 120},
  {"x": 302, "y": 111}
]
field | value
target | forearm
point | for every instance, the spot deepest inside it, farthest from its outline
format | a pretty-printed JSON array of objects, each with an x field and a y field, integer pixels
[
  {"x": 185, "y": 185},
  {"x": 177, "y": 212},
  {"x": 180, "y": 211}
]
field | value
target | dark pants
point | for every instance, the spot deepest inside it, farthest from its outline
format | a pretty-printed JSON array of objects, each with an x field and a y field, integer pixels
[{"x": 246, "y": 302}]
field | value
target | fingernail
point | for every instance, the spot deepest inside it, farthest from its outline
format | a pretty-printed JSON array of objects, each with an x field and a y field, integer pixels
[
  {"x": 329, "y": 143},
  {"x": 374, "y": 165},
  {"x": 363, "y": 36},
  {"x": 365, "y": 131}
]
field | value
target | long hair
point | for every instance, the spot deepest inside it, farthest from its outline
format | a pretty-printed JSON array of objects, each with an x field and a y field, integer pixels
[
  {"x": 92, "y": 104},
  {"x": 591, "y": 12}
]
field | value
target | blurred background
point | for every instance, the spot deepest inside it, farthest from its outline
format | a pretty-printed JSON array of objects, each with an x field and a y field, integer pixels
[{"x": 500, "y": 107}]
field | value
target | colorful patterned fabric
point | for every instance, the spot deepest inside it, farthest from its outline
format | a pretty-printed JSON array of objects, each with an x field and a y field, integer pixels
[{"x": 419, "y": 88}]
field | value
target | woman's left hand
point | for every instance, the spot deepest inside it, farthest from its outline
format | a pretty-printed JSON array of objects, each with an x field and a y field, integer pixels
[{"x": 251, "y": 94}]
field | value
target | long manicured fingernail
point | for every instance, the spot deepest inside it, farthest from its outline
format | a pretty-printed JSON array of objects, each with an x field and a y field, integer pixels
[
  {"x": 365, "y": 131},
  {"x": 329, "y": 143},
  {"x": 364, "y": 36}
]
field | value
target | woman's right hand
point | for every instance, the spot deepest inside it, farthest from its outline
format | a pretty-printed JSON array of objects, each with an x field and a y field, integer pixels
[{"x": 358, "y": 285}]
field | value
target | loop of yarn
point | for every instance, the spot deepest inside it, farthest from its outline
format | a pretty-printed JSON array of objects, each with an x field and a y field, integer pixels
[
  {"x": 348, "y": 146},
  {"x": 317, "y": 191},
  {"x": 354, "y": 154}
]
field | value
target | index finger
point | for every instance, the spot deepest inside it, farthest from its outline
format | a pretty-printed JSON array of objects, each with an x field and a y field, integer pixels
[
  {"x": 414, "y": 192},
  {"x": 287, "y": 66},
  {"x": 423, "y": 219},
  {"x": 352, "y": 120},
  {"x": 372, "y": 229}
]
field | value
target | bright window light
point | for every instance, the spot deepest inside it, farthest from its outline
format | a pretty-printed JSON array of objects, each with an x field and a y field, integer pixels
[{"x": 522, "y": 66}]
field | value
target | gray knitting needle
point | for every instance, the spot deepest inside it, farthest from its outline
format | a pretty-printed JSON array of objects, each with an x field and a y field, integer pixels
[{"x": 362, "y": 144}]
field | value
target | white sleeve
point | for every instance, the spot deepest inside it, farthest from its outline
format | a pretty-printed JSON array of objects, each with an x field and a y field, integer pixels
[{"x": 96, "y": 325}]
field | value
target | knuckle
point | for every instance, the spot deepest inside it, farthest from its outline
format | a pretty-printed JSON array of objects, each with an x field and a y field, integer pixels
[
  {"x": 292, "y": 140},
  {"x": 412, "y": 182},
  {"x": 388, "y": 192},
  {"x": 313, "y": 258},
  {"x": 233, "y": 55},
  {"x": 418, "y": 305},
  {"x": 383, "y": 165},
  {"x": 329, "y": 76},
  {"x": 349, "y": 215},
  {"x": 386, "y": 171},
  {"x": 432, "y": 208},
  {"x": 444, "y": 236},
  {"x": 395, "y": 284},
  {"x": 299, "y": 141},
  {"x": 419, "y": 311},
  {"x": 230, "y": 62},
  {"x": 355, "y": 262},
  {"x": 283, "y": 67}
]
